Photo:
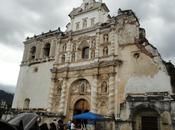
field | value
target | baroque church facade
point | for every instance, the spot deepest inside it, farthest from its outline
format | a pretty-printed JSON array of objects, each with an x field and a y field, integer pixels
[{"x": 101, "y": 64}]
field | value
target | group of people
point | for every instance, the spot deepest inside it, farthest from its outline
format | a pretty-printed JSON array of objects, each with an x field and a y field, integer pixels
[
  {"x": 76, "y": 125},
  {"x": 70, "y": 125},
  {"x": 53, "y": 126}
]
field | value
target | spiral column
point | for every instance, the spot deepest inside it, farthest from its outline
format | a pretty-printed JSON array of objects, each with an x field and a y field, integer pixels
[
  {"x": 63, "y": 96},
  {"x": 111, "y": 93},
  {"x": 94, "y": 95}
]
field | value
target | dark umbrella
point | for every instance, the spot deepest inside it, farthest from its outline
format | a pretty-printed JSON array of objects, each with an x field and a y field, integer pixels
[
  {"x": 25, "y": 121},
  {"x": 6, "y": 126}
]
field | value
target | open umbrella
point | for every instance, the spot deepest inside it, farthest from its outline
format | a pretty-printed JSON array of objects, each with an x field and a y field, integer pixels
[
  {"x": 25, "y": 121},
  {"x": 89, "y": 116}
]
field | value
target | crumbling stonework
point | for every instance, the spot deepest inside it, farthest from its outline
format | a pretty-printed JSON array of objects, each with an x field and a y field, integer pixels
[{"x": 101, "y": 64}]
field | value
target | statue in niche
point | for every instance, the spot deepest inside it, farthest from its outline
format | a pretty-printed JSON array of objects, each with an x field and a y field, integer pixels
[
  {"x": 59, "y": 87},
  {"x": 73, "y": 57},
  {"x": 105, "y": 51},
  {"x": 105, "y": 37},
  {"x": 82, "y": 87},
  {"x": 93, "y": 43},
  {"x": 59, "y": 90},
  {"x": 74, "y": 47},
  {"x": 104, "y": 87}
]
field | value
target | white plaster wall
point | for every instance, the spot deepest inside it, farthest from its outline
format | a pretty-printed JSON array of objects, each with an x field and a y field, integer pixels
[
  {"x": 33, "y": 85},
  {"x": 160, "y": 82},
  {"x": 80, "y": 18},
  {"x": 128, "y": 34},
  {"x": 100, "y": 17}
]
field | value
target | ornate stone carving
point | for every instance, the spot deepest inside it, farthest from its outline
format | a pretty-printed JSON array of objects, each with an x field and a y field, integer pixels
[
  {"x": 80, "y": 87},
  {"x": 103, "y": 105},
  {"x": 105, "y": 51},
  {"x": 104, "y": 87},
  {"x": 92, "y": 53}
]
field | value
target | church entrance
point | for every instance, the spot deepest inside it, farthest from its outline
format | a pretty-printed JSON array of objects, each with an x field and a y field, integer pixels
[
  {"x": 81, "y": 106},
  {"x": 79, "y": 97},
  {"x": 146, "y": 119},
  {"x": 149, "y": 123}
]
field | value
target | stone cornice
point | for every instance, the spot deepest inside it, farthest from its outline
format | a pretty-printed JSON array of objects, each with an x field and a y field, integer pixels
[{"x": 100, "y": 64}]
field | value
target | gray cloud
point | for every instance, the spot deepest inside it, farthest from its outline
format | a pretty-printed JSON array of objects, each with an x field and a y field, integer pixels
[
  {"x": 20, "y": 18},
  {"x": 157, "y": 17}
]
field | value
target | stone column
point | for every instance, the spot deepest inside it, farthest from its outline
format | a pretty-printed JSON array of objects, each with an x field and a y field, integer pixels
[
  {"x": 28, "y": 52},
  {"x": 52, "y": 48},
  {"x": 41, "y": 51},
  {"x": 63, "y": 97},
  {"x": 25, "y": 54},
  {"x": 38, "y": 49},
  {"x": 94, "y": 94},
  {"x": 97, "y": 44},
  {"x": 111, "y": 93},
  {"x": 57, "y": 56},
  {"x": 112, "y": 50},
  {"x": 50, "y": 98},
  {"x": 68, "y": 54}
]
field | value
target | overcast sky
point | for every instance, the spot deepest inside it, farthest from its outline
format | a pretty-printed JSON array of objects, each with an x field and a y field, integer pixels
[{"x": 22, "y": 18}]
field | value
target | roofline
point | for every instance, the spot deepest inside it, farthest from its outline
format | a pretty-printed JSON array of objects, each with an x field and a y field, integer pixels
[{"x": 102, "y": 4}]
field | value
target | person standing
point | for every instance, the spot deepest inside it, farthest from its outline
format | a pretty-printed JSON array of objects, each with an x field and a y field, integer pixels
[
  {"x": 68, "y": 125},
  {"x": 72, "y": 126}
]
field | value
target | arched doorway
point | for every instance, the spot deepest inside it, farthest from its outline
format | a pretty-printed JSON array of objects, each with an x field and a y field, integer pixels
[
  {"x": 146, "y": 119},
  {"x": 81, "y": 106},
  {"x": 79, "y": 97}
]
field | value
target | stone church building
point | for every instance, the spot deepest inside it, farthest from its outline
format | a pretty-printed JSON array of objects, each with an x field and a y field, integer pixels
[{"x": 101, "y": 63}]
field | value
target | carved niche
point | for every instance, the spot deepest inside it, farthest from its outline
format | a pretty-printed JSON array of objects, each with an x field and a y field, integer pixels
[
  {"x": 80, "y": 87},
  {"x": 103, "y": 84}
]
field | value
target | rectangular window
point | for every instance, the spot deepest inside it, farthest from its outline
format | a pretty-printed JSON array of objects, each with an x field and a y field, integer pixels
[
  {"x": 85, "y": 23},
  {"x": 77, "y": 25},
  {"x": 92, "y": 21}
]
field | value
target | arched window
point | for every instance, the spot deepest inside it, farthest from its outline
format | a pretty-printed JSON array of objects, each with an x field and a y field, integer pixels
[
  {"x": 63, "y": 59},
  {"x": 85, "y": 53},
  {"x": 32, "y": 52},
  {"x": 73, "y": 57},
  {"x": 104, "y": 87},
  {"x": 105, "y": 51},
  {"x": 47, "y": 49},
  {"x": 26, "y": 103}
]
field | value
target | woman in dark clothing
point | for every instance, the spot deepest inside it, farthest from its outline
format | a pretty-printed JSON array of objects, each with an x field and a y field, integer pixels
[
  {"x": 53, "y": 126},
  {"x": 44, "y": 127}
]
